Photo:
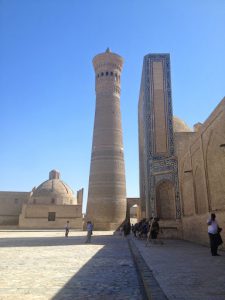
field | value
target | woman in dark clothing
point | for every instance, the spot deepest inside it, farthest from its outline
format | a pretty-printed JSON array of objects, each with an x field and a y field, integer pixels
[
  {"x": 154, "y": 229},
  {"x": 126, "y": 228}
]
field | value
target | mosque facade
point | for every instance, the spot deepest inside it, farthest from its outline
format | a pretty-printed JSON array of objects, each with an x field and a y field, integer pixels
[
  {"x": 158, "y": 163},
  {"x": 182, "y": 172},
  {"x": 201, "y": 170}
]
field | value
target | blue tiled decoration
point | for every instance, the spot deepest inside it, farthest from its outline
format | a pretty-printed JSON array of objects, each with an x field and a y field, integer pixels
[{"x": 156, "y": 168}]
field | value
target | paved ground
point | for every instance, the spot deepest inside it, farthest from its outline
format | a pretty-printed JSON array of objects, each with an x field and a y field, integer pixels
[
  {"x": 46, "y": 265},
  {"x": 185, "y": 271}
]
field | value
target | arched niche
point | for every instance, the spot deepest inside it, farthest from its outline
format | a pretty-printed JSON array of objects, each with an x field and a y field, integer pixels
[
  {"x": 201, "y": 203},
  {"x": 134, "y": 213},
  {"x": 215, "y": 166},
  {"x": 133, "y": 209},
  {"x": 187, "y": 187},
  {"x": 165, "y": 200}
]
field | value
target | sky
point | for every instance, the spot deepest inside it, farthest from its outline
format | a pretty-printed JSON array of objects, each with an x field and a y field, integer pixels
[{"x": 47, "y": 82}]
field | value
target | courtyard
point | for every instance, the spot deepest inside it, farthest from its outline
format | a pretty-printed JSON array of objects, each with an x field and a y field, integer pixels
[{"x": 46, "y": 265}]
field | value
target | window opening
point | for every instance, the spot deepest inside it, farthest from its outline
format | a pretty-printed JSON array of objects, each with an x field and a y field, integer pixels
[{"x": 51, "y": 216}]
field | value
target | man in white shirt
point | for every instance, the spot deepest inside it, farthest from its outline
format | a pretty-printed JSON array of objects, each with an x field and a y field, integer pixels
[
  {"x": 213, "y": 234},
  {"x": 89, "y": 231}
]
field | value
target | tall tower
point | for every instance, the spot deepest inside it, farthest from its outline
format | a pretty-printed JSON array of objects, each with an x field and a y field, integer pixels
[
  {"x": 158, "y": 164},
  {"x": 106, "y": 205}
]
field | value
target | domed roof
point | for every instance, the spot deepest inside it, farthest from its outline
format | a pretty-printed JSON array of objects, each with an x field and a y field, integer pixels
[
  {"x": 180, "y": 126},
  {"x": 55, "y": 186},
  {"x": 53, "y": 190}
]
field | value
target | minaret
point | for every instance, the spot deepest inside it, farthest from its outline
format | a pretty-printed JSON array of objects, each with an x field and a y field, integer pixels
[{"x": 106, "y": 206}]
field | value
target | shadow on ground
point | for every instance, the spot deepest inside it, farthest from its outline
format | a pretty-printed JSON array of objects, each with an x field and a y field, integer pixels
[
  {"x": 46, "y": 241},
  {"x": 110, "y": 274}
]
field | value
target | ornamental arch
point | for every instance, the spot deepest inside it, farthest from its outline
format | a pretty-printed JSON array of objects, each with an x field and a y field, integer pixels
[{"x": 165, "y": 200}]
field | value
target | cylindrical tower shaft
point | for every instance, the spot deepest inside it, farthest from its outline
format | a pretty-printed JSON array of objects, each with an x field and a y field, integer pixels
[{"x": 106, "y": 206}]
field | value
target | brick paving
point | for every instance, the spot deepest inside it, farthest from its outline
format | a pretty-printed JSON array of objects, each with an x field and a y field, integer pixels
[
  {"x": 46, "y": 265},
  {"x": 184, "y": 270}
]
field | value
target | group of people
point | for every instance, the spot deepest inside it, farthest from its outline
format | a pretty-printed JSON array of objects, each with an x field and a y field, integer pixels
[
  {"x": 149, "y": 229},
  {"x": 143, "y": 229},
  {"x": 146, "y": 228}
]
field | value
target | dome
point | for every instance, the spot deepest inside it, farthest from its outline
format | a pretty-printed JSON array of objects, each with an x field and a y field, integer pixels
[
  {"x": 53, "y": 191},
  {"x": 179, "y": 125}
]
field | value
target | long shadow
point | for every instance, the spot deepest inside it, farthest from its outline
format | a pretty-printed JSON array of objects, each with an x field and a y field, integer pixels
[
  {"x": 108, "y": 275},
  {"x": 48, "y": 241}
]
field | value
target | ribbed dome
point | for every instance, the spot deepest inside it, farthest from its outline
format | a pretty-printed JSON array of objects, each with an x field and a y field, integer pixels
[
  {"x": 53, "y": 191},
  {"x": 179, "y": 125},
  {"x": 55, "y": 186}
]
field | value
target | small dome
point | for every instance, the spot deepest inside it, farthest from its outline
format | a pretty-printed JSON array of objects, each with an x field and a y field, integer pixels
[
  {"x": 53, "y": 191},
  {"x": 180, "y": 126}
]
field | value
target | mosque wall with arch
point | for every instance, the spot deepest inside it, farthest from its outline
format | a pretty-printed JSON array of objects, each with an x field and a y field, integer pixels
[{"x": 202, "y": 176}]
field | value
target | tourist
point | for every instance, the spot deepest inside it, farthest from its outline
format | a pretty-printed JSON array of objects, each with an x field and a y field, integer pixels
[
  {"x": 126, "y": 228},
  {"x": 154, "y": 229},
  {"x": 89, "y": 231},
  {"x": 67, "y": 229},
  {"x": 132, "y": 227},
  {"x": 121, "y": 231},
  {"x": 214, "y": 234}
]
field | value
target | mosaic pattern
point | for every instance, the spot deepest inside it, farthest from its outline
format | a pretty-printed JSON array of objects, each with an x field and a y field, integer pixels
[{"x": 157, "y": 166}]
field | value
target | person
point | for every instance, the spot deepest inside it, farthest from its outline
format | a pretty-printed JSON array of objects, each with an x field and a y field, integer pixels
[
  {"x": 154, "y": 229},
  {"x": 67, "y": 229},
  {"x": 214, "y": 234},
  {"x": 89, "y": 231},
  {"x": 126, "y": 228},
  {"x": 121, "y": 231}
]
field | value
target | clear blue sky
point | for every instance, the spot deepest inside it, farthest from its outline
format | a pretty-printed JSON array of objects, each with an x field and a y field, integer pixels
[{"x": 47, "y": 93}]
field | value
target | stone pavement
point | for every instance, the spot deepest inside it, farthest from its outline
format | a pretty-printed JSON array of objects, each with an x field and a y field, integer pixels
[
  {"x": 46, "y": 265},
  {"x": 184, "y": 270}
]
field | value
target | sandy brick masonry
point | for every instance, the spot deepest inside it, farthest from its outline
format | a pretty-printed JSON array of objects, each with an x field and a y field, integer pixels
[{"x": 106, "y": 206}]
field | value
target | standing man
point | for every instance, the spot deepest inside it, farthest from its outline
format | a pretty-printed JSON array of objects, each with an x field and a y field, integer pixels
[
  {"x": 89, "y": 231},
  {"x": 213, "y": 230},
  {"x": 154, "y": 229},
  {"x": 67, "y": 229}
]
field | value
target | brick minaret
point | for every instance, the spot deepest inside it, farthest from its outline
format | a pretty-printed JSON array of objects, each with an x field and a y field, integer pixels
[{"x": 106, "y": 206}]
